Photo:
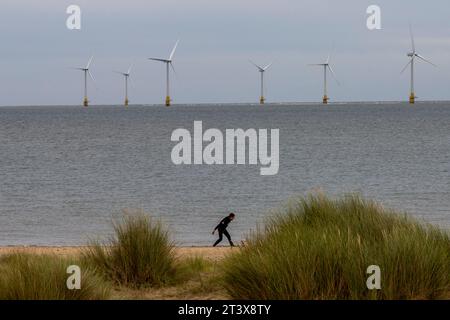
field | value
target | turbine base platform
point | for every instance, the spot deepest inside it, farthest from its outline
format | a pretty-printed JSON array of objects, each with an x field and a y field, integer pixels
[
  {"x": 325, "y": 99},
  {"x": 262, "y": 100},
  {"x": 85, "y": 102},
  {"x": 412, "y": 98},
  {"x": 126, "y": 103},
  {"x": 168, "y": 100}
]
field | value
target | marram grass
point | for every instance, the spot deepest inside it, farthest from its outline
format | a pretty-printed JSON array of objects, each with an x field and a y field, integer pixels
[
  {"x": 44, "y": 277},
  {"x": 320, "y": 248},
  {"x": 139, "y": 254}
]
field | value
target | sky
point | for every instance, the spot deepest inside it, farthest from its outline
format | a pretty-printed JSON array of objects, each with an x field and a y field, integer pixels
[{"x": 217, "y": 39}]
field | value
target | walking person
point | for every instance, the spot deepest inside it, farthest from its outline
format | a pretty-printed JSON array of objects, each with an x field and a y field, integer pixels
[{"x": 222, "y": 228}]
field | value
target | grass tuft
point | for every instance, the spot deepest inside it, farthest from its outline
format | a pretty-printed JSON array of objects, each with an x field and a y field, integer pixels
[
  {"x": 44, "y": 277},
  {"x": 320, "y": 248},
  {"x": 140, "y": 254}
]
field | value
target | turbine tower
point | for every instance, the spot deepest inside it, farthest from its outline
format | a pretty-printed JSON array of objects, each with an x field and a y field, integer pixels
[
  {"x": 86, "y": 72},
  {"x": 168, "y": 62},
  {"x": 126, "y": 75},
  {"x": 326, "y": 65},
  {"x": 262, "y": 70},
  {"x": 413, "y": 55}
]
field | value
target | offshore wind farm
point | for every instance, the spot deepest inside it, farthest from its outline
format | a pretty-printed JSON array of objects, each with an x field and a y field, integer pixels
[
  {"x": 326, "y": 65},
  {"x": 212, "y": 61}
]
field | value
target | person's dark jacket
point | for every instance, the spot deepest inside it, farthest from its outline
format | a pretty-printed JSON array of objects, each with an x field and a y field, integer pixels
[{"x": 223, "y": 224}]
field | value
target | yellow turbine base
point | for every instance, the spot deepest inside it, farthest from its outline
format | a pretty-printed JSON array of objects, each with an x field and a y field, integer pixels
[
  {"x": 262, "y": 100},
  {"x": 325, "y": 100},
  {"x": 126, "y": 103},
  {"x": 168, "y": 100},
  {"x": 85, "y": 102},
  {"x": 412, "y": 98}
]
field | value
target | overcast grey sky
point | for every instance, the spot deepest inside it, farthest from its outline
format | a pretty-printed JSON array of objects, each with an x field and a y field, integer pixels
[{"x": 217, "y": 39}]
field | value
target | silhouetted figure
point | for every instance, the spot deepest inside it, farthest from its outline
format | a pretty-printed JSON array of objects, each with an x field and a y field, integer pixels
[{"x": 222, "y": 228}]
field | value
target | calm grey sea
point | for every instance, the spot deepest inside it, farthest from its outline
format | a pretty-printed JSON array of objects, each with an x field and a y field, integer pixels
[{"x": 65, "y": 172}]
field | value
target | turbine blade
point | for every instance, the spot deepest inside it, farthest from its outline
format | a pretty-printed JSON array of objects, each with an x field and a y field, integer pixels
[
  {"x": 413, "y": 45},
  {"x": 129, "y": 69},
  {"x": 424, "y": 59},
  {"x": 171, "y": 65},
  {"x": 403, "y": 70},
  {"x": 259, "y": 68},
  {"x": 333, "y": 74},
  {"x": 268, "y": 66},
  {"x": 130, "y": 82},
  {"x": 173, "y": 50},
  {"x": 158, "y": 59},
  {"x": 89, "y": 62},
  {"x": 330, "y": 54},
  {"x": 90, "y": 75},
  {"x": 93, "y": 80},
  {"x": 317, "y": 64}
]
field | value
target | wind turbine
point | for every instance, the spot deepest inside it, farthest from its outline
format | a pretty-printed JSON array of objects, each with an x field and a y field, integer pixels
[
  {"x": 413, "y": 55},
  {"x": 86, "y": 72},
  {"x": 262, "y": 70},
  {"x": 326, "y": 65},
  {"x": 168, "y": 62},
  {"x": 126, "y": 75}
]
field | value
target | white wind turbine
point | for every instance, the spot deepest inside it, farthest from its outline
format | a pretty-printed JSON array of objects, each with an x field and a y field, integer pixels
[
  {"x": 262, "y": 70},
  {"x": 413, "y": 55},
  {"x": 86, "y": 72},
  {"x": 168, "y": 62},
  {"x": 326, "y": 65},
  {"x": 126, "y": 75}
]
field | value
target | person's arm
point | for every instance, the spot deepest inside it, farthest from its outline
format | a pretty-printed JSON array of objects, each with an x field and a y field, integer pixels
[{"x": 217, "y": 227}]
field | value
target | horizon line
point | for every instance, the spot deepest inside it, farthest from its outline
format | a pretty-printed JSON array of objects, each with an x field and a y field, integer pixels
[{"x": 233, "y": 103}]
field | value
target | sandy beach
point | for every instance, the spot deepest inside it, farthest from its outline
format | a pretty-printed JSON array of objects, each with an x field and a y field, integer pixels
[{"x": 209, "y": 253}]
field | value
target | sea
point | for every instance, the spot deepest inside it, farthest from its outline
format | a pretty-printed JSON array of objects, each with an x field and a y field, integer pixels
[{"x": 68, "y": 172}]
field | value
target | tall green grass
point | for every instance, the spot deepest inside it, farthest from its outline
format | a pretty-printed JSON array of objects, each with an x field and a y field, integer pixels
[
  {"x": 44, "y": 277},
  {"x": 139, "y": 254},
  {"x": 320, "y": 248}
]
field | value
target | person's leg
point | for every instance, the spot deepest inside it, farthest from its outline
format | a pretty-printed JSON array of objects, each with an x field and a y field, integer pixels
[
  {"x": 220, "y": 238},
  {"x": 225, "y": 232}
]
